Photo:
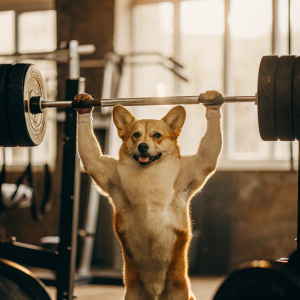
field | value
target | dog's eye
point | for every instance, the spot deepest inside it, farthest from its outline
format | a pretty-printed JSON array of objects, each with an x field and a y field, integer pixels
[
  {"x": 157, "y": 135},
  {"x": 136, "y": 135}
]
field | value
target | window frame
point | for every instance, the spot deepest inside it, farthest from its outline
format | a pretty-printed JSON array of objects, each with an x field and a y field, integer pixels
[{"x": 227, "y": 162}]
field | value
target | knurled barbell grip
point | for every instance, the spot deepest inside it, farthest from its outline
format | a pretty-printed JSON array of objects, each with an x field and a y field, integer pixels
[
  {"x": 86, "y": 103},
  {"x": 74, "y": 104},
  {"x": 217, "y": 101},
  {"x": 37, "y": 104}
]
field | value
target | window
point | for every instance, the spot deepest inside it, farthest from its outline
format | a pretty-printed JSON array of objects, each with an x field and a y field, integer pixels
[
  {"x": 295, "y": 26},
  {"x": 37, "y": 31},
  {"x": 154, "y": 33},
  {"x": 250, "y": 32},
  {"x": 220, "y": 43},
  {"x": 201, "y": 46},
  {"x": 32, "y": 32},
  {"x": 7, "y": 29}
]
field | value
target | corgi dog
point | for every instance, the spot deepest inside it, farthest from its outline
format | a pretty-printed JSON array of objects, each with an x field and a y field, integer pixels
[{"x": 150, "y": 187}]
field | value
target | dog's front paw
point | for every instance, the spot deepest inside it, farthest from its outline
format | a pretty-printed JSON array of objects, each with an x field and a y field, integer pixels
[
  {"x": 213, "y": 101},
  {"x": 82, "y": 98},
  {"x": 211, "y": 98}
]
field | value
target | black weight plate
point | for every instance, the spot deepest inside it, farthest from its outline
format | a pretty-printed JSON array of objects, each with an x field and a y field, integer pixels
[
  {"x": 25, "y": 81},
  {"x": 5, "y": 135},
  {"x": 259, "y": 283},
  {"x": 265, "y": 98},
  {"x": 17, "y": 282},
  {"x": 296, "y": 98},
  {"x": 283, "y": 98}
]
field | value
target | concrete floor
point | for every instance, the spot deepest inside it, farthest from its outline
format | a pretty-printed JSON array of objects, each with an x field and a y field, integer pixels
[{"x": 204, "y": 288}]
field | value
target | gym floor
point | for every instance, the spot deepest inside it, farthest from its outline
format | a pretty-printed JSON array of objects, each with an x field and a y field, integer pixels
[{"x": 204, "y": 288}]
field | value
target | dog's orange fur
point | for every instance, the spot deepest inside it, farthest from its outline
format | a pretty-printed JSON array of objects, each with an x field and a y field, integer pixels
[
  {"x": 131, "y": 274},
  {"x": 150, "y": 193},
  {"x": 177, "y": 273}
]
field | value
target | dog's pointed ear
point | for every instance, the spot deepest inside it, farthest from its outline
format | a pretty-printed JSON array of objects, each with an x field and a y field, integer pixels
[
  {"x": 175, "y": 119},
  {"x": 122, "y": 119}
]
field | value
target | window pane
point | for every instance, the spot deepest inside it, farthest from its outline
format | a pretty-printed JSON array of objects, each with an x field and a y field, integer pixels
[
  {"x": 152, "y": 81},
  {"x": 295, "y": 26},
  {"x": 153, "y": 28},
  {"x": 201, "y": 53},
  {"x": 37, "y": 31},
  {"x": 201, "y": 44},
  {"x": 7, "y": 29},
  {"x": 282, "y": 45},
  {"x": 152, "y": 33},
  {"x": 250, "y": 32}
]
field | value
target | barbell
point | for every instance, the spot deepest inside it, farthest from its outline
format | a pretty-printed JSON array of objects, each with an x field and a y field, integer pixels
[{"x": 23, "y": 102}]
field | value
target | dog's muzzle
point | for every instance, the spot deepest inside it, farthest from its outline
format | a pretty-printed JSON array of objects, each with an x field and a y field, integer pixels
[{"x": 147, "y": 160}]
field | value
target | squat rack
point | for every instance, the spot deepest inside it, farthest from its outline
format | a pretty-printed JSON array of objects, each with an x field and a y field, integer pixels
[{"x": 62, "y": 261}]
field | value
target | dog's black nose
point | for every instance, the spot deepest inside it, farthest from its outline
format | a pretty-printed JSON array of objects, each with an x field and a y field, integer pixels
[{"x": 143, "y": 147}]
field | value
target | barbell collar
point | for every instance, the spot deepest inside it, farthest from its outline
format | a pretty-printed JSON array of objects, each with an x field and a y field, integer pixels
[{"x": 35, "y": 105}]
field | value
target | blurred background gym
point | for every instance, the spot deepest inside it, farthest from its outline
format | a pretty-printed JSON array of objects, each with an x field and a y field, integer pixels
[{"x": 139, "y": 48}]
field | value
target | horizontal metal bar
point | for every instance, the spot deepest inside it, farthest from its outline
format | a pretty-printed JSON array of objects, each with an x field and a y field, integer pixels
[
  {"x": 150, "y": 101},
  {"x": 58, "y": 54},
  {"x": 30, "y": 255},
  {"x": 142, "y": 101},
  {"x": 240, "y": 99},
  {"x": 49, "y": 104}
]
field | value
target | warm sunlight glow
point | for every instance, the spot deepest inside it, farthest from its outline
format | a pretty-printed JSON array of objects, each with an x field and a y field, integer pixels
[
  {"x": 249, "y": 19},
  {"x": 197, "y": 17}
]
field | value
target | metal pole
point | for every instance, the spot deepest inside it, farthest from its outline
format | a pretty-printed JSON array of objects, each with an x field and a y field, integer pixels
[
  {"x": 144, "y": 101},
  {"x": 74, "y": 65},
  {"x": 69, "y": 202},
  {"x": 61, "y": 55},
  {"x": 298, "y": 208}
]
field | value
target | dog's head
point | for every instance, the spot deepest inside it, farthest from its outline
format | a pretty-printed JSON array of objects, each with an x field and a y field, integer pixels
[{"x": 147, "y": 141}]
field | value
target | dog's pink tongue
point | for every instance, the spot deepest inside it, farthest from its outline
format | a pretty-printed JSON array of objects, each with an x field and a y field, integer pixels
[{"x": 143, "y": 159}]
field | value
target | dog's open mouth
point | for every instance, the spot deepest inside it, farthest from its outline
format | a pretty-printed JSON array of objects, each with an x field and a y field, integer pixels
[{"x": 146, "y": 160}]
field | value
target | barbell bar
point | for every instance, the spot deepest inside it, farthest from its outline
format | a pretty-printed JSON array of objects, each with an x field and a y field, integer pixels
[
  {"x": 38, "y": 104},
  {"x": 23, "y": 102}
]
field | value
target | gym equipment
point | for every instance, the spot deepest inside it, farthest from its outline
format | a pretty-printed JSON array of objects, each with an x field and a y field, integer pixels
[
  {"x": 263, "y": 279},
  {"x": 266, "y": 90},
  {"x": 62, "y": 260},
  {"x": 60, "y": 55},
  {"x": 18, "y": 283},
  {"x": 296, "y": 95},
  {"x": 20, "y": 126},
  {"x": 15, "y": 196},
  {"x": 24, "y": 195},
  {"x": 283, "y": 98},
  {"x": 22, "y": 95}
]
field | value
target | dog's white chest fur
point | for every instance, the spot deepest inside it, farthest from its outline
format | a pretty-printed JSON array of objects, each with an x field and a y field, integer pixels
[
  {"x": 149, "y": 188},
  {"x": 150, "y": 217}
]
